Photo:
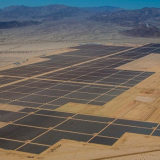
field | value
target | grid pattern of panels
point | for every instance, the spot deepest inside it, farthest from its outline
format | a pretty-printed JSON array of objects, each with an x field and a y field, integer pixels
[
  {"x": 102, "y": 71},
  {"x": 38, "y": 126},
  {"x": 36, "y": 130},
  {"x": 5, "y": 80},
  {"x": 56, "y": 62},
  {"x": 139, "y": 52},
  {"x": 96, "y": 50},
  {"x": 63, "y": 60},
  {"x": 53, "y": 94}
]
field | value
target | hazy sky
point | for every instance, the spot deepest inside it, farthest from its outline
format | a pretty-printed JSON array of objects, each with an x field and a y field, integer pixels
[{"x": 128, "y": 4}]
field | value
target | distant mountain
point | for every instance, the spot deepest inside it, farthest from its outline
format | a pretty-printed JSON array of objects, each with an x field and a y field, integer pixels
[
  {"x": 54, "y": 12},
  {"x": 143, "y": 30},
  {"x": 16, "y": 24},
  {"x": 101, "y": 9},
  {"x": 35, "y": 12},
  {"x": 128, "y": 17},
  {"x": 20, "y": 16},
  {"x": 62, "y": 13}
]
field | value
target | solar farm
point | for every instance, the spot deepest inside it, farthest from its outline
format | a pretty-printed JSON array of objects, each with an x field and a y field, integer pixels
[{"x": 92, "y": 94}]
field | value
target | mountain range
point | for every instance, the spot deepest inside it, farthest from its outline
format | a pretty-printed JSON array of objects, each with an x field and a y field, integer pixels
[
  {"x": 103, "y": 14},
  {"x": 128, "y": 17},
  {"x": 21, "y": 16},
  {"x": 16, "y": 24},
  {"x": 143, "y": 30},
  {"x": 20, "y": 12}
]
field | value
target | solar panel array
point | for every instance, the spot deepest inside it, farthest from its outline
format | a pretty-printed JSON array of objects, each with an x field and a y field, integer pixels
[{"x": 88, "y": 75}]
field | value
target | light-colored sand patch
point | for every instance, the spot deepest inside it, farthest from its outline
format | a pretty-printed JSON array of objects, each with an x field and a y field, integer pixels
[
  {"x": 149, "y": 63},
  {"x": 144, "y": 99},
  {"x": 80, "y": 108},
  {"x": 2, "y": 124},
  {"x": 12, "y": 155},
  {"x": 155, "y": 117},
  {"x": 91, "y": 110},
  {"x": 143, "y": 156},
  {"x": 7, "y": 107},
  {"x": 72, "y": 107},
  {"x": 139, "y": 111}
]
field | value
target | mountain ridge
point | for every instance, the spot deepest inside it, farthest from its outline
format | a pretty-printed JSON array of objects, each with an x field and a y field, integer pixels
[
  {"x": 21, "y": 16},
  {"x": 17, "y": 24},
  {"x": 44, "y": 11},
  {"x": 143, "y": 30},
  {"x": 128, "y": 18}
]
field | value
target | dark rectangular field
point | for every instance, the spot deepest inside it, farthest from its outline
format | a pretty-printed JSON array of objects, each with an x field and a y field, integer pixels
[
  {"x": 135, "y": 123},
  {"x": 82, "y": 126},
  {"x": 33, "y": 148},
  {"x": 38, "y": 99},
  {"x": 55, "y": 136},
  {"x": 54, "y": 113},
  {"x": 156, "y": 133},
  {"x": 25, "y": 104},
  {"x": 9, "y": 144},
  {"x": 103, "y": 140},
  {"x": 117, "y": 131},
  {"x": 40, "y": 121},
  {"x": 22, "y": 133},
  {"x": 93, "y": 118},
  {"x": 11, "y": 116}
]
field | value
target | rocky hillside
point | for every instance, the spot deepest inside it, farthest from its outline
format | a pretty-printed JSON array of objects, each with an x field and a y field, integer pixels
[
  {"x": 22, "y": 12},
  {"x": 14, "y": 15},
  {"x": 143, "y": 30},
  {"x": 50, "y": 11},
  {"x": 16, "y": 24},
  {"x": 128, "y": 17},
  {"x": 19, "y": 16},
  {"x": 101, "y": 9}
]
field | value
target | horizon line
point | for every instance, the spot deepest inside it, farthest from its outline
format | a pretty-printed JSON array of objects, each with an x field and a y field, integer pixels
[{"x": 74, "y": 6}]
